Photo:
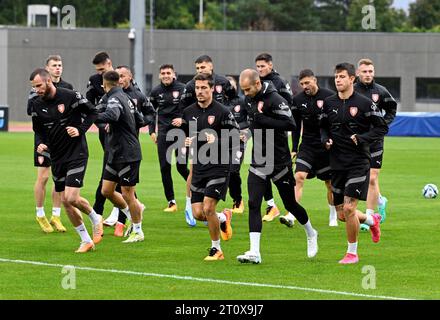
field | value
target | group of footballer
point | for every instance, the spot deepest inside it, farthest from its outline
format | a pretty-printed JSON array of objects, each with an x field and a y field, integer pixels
[{"x": 206, "y": 123}]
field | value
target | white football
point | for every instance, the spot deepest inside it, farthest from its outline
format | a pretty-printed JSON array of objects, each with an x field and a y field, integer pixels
[{"x": 430, "y": 191}]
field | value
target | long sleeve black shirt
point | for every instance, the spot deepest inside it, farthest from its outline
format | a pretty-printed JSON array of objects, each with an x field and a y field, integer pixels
[
  {"x": 340, "y": 119},
  {"x": 276, "y": 117},
  {"x": 50, "y": 117},
  {"x": 122, "y": 139}
]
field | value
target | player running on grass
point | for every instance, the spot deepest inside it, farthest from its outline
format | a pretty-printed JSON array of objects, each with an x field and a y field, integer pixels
[{"x": 350, "y": 122}]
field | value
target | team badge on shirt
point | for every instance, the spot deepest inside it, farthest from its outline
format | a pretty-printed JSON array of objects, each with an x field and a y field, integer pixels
[
  {"x": 237, "y": 108},
  {"x": 61, "y": 108},
  {"x": 219, "y": 88},
  {"x": 211, "y": 120},
  {"x": 320, "y": 103},
  {"x": 375, "y": 97},
  {"x": 353, "y": 111},
  {"x": 135, "y": 101},
  {"x": 176, "y": 94},
  {"x": 260, "y": 106}
]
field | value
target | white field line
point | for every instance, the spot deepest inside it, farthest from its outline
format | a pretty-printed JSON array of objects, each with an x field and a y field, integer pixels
[{"x": 205, "y": 280}]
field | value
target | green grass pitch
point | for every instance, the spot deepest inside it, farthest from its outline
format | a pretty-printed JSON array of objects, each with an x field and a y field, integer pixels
[{"x": 169, "y": 264}]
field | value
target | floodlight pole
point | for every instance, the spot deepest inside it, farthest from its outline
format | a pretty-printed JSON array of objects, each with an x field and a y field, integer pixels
[
  {"x": 201, "y": 12},
  {"x": 136, "y": 36}
]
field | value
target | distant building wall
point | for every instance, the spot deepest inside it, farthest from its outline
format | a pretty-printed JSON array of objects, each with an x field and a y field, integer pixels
[
  {"x": 403, "y": 56},
  {"x": 29, "y": 48},
  {"x": 4, "y": 67}
]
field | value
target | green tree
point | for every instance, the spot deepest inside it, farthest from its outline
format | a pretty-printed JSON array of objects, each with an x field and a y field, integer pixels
[
  {"x": 297, "y": 15},
  {"x": 425, "y": 14},
  {"x": 14, "y": 12},
  {"x": 253, "y": 15},
  {"x": 386, "y": 18},
  {"x": 178, "y": 14},
  {"x": 212, "y": 17},
  {"x": 98, "y": 13},
  {"x": 89, "y": 13},
  {"x": 277, "y": 15},
  {"x": 219, "y": 15},
  {"x": 333, "y": 14}
]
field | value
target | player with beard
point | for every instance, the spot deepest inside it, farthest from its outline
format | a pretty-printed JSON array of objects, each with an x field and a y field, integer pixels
[
  {"x": 269, "y": 118},
  {"x": 312, "y": 158},
  {"x": 54, "y": 66},
  {"x": 58, "y": 118}
]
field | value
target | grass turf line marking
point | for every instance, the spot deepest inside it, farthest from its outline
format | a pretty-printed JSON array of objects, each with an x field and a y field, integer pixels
[{"x": 189, "y": 278}]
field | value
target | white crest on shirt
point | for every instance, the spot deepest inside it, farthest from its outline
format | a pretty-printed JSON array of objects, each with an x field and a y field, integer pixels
[
  {"x": 353, "y": 111},
  {"x": 320, "y": 103}
]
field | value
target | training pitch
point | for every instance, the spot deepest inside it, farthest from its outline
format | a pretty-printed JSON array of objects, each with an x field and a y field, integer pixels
[{"x": 169, "y": 264}]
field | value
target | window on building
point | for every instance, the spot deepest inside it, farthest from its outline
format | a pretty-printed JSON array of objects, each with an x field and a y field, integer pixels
[
  {"x": 392, "y": 84},
  {"x": 428, "y": 89}
]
